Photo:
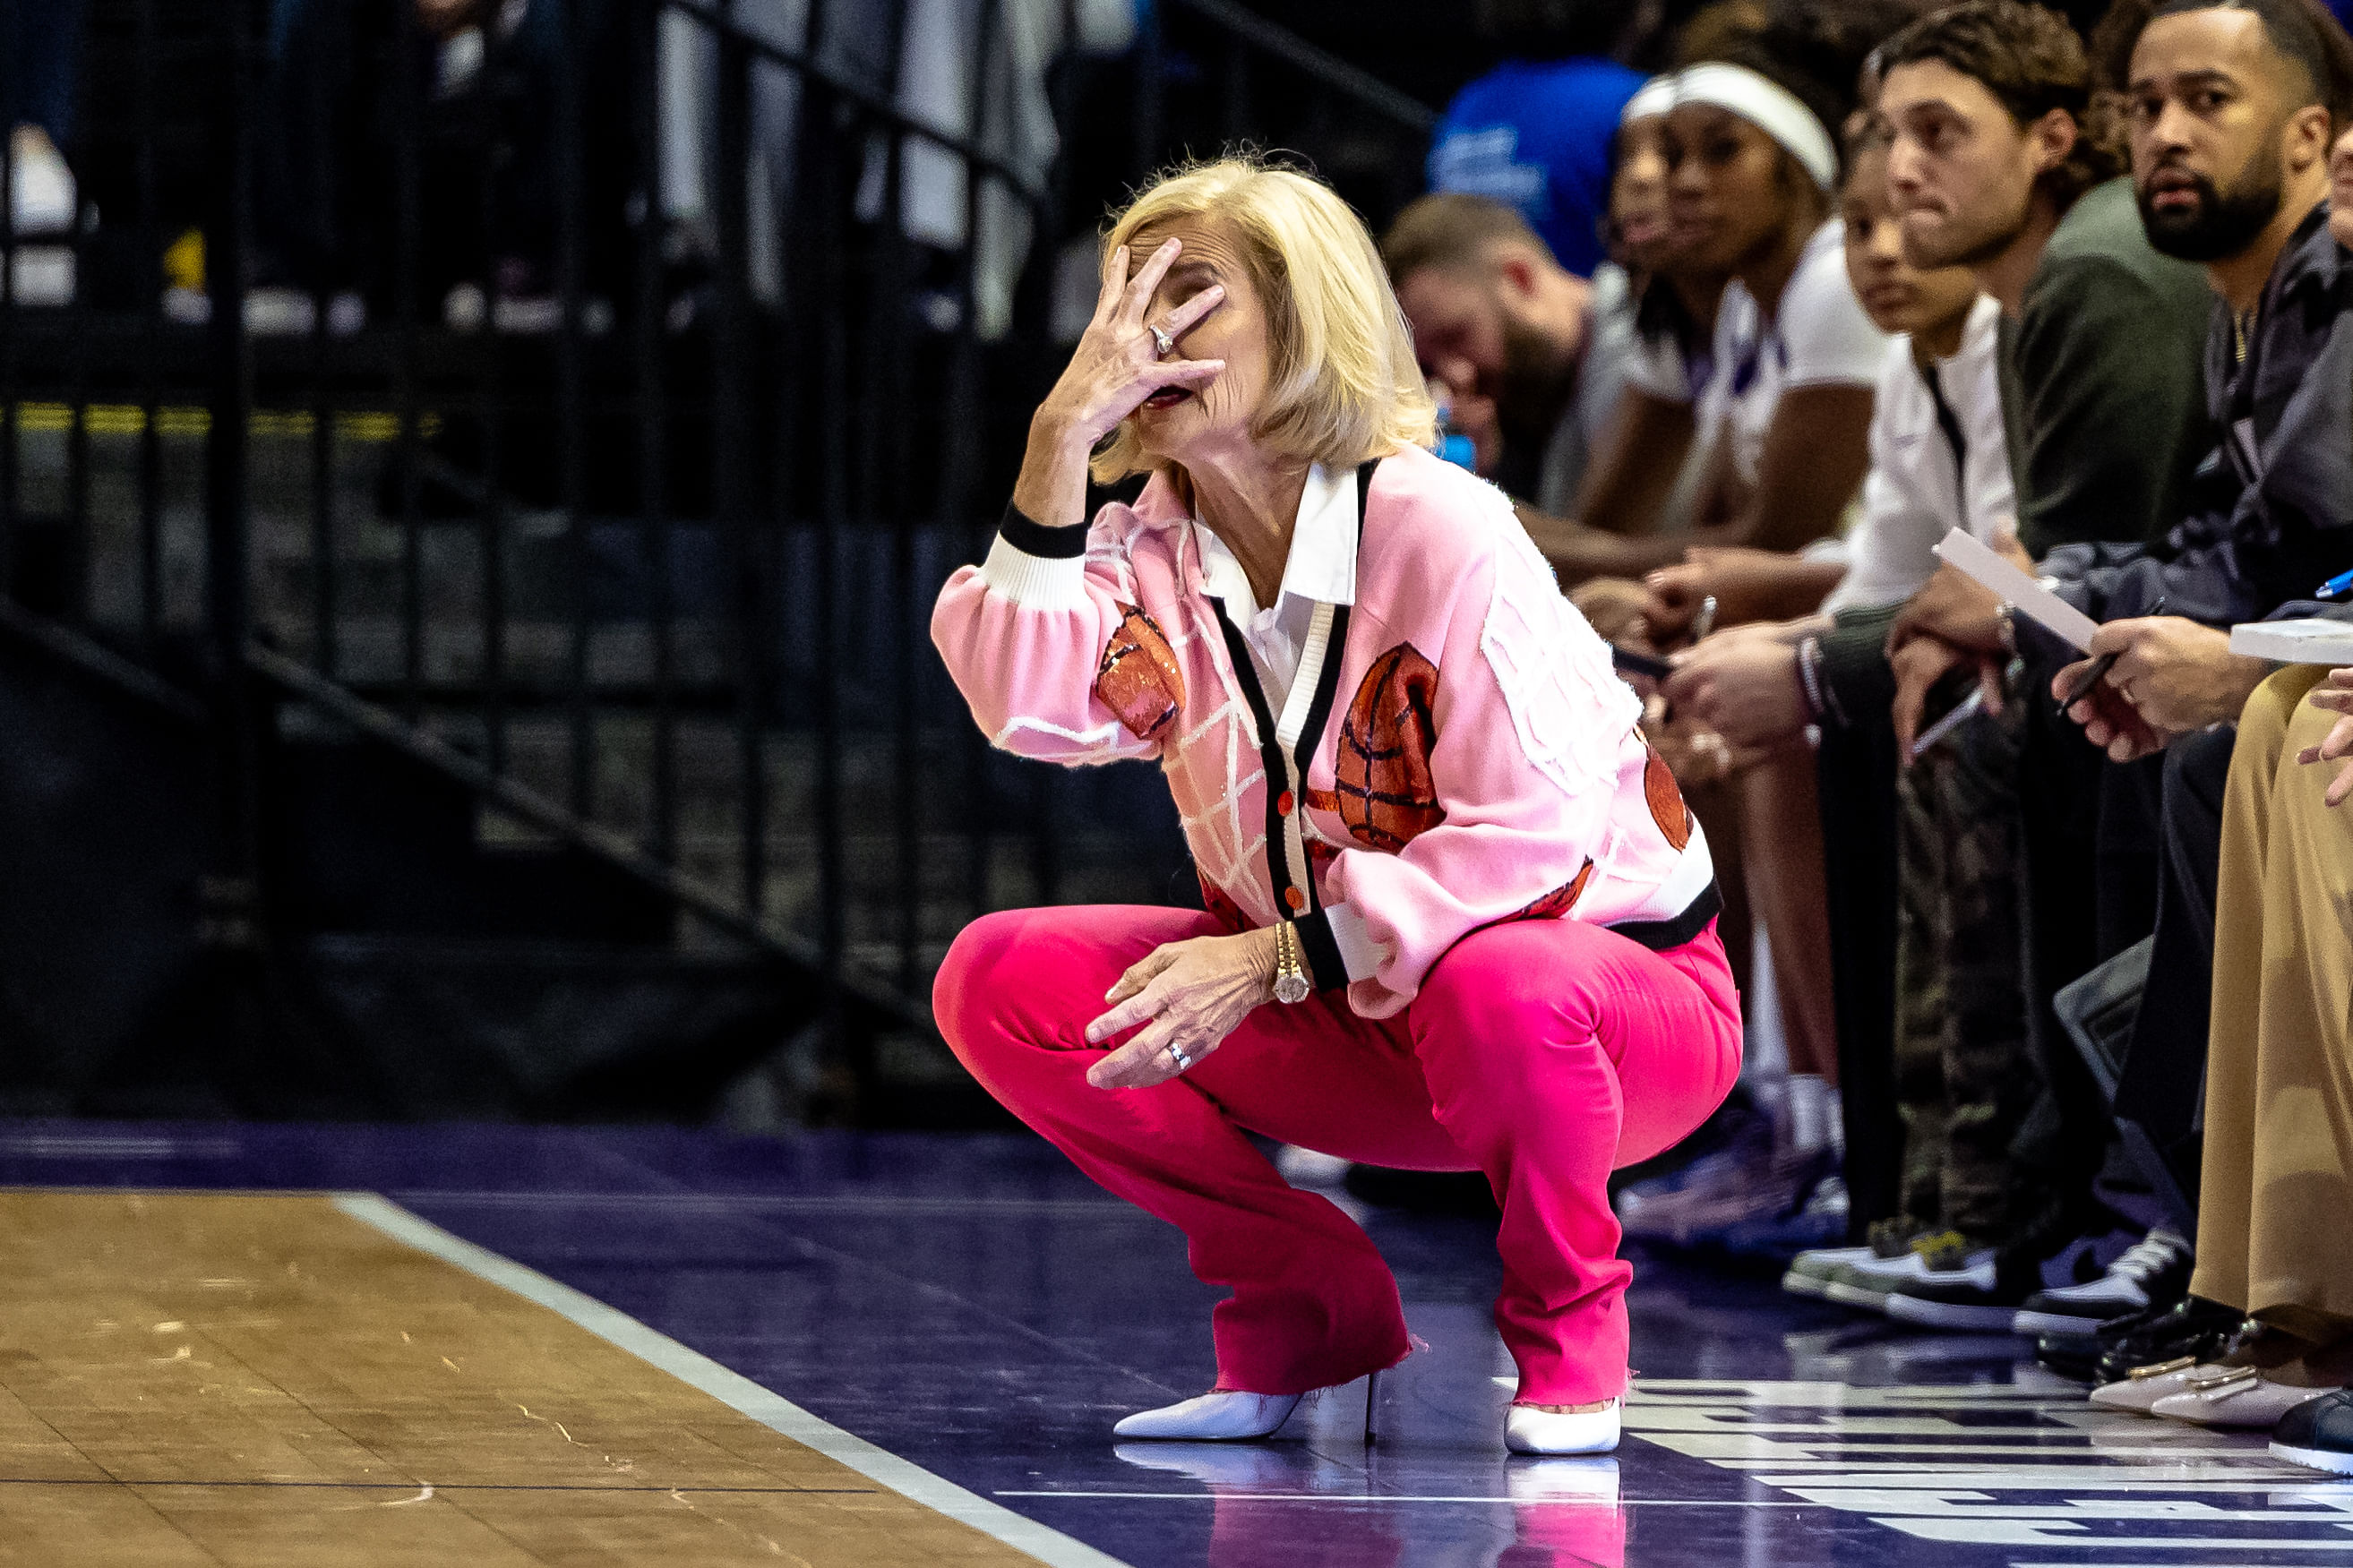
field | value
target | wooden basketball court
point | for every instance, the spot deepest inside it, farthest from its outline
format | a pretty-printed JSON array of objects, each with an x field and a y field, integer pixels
[{"x": 199, "y": 1379}]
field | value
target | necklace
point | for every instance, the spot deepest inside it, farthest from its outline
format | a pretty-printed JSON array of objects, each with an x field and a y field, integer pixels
[{"x": 2243, "y": 327}]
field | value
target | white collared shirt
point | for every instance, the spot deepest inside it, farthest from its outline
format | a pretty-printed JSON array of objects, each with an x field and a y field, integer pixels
[
  {"x": 1320, "y": 569},
  {"x": 1919, "y": 487}
]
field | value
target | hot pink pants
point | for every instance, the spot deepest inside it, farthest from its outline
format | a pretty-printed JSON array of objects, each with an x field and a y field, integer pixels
[{"x": 1544, "y": 1053}]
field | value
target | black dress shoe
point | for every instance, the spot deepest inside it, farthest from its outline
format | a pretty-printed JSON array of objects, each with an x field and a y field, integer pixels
[
  {"x": 2197, "y": 1329},
  {"x": 2078, "y": 1355},
  {"x": 2317, "y": 1434}
]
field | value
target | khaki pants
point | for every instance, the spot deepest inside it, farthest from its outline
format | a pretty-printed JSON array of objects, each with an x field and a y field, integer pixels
[{"x": 2275, "y": 1198}]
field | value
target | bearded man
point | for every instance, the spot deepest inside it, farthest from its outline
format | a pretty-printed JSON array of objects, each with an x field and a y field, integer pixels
[{"x": 1530, "y": 353}]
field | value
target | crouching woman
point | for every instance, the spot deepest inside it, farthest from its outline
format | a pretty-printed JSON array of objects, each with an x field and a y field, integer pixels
[{"x": 1458, "y": 915}]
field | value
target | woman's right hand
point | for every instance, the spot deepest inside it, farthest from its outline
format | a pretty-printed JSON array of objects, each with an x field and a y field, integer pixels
[{"x": 1115, "y": 368}]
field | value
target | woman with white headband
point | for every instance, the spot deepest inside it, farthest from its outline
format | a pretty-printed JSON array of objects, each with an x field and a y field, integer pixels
[
  {"x": 1793, "y": 359},
  {"x": 1751, "y": 171}
]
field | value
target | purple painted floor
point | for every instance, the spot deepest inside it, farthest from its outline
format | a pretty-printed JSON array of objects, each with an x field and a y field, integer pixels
[{"x": 974, "y": 1305}]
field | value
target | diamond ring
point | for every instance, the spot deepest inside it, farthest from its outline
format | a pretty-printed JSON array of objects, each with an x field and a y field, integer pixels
[
  {"x": 1161, "y": 341},
  {"x": 1177, "y": 1054}
]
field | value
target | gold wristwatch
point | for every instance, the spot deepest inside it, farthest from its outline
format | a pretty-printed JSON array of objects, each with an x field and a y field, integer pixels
[{"x": 1291, "y": 982}]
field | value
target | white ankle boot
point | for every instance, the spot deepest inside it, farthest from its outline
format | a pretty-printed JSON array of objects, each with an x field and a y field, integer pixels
[
  {"x": 1528, "y": 1430},
  {"x": 1213, "y": 1418}
]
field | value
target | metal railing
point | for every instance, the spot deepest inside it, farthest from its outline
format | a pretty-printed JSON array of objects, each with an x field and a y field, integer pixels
[{"x": 592, "y": 409}]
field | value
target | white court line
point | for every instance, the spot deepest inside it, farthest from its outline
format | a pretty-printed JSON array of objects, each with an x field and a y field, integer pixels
[
  {"x": 2069, "y": 1479},
  {"x": 767, "y": 1202},
  {"x": 2162, "y": 1452},
  {"x": 1358, "y": 1498},
  {"x": 2134, "y": 1544},
  {"x": 1669, "y": 1392},
  {"x": 698, "y": 1370}
]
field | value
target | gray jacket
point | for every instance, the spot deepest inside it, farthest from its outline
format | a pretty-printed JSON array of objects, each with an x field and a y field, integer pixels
[{"x": 2275, "y": 517}]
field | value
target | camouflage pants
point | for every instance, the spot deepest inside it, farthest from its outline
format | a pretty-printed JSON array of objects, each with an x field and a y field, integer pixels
[{"x": 1965, "y": 1070}]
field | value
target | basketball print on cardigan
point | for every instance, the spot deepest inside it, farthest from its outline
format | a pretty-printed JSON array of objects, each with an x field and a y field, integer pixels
[
  {"x": 1666, "y": 798},
  {"x": 1381, "y": 785},
  {"x": 1557, "y": 904},
  {"x": 1139, "y": 680}
]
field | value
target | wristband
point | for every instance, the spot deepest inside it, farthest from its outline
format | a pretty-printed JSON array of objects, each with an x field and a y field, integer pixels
[
  {"x": 1809, "y": 677},
  {"x": 1031, "y": 537}
]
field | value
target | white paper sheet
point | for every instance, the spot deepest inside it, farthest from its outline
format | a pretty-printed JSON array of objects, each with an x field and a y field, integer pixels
[{"x": 2015, "y": 588}]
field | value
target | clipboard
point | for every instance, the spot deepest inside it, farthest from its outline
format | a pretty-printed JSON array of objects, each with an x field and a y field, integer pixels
[{"x": 2295, "y": 642}]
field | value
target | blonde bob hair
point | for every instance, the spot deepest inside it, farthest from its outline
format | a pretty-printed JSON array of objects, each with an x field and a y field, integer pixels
[{"x": 1342, "y": 384}]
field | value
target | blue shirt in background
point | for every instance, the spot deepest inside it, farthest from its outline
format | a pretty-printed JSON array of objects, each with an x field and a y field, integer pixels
[{"x": 1537, "y": 138}]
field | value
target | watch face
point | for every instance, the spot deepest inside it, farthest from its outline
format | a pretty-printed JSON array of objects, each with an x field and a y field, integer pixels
[{"x": 1291, "y": 988}]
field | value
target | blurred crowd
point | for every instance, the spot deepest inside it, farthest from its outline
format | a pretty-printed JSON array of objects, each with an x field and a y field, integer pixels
[
  {"x": 475, "y": 160},
  {"x": 1787, "y": 354}
]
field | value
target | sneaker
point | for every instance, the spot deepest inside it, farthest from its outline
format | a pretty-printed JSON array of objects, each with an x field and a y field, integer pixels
[
  {"x": 1777, "y": 1191},
  {"x": 1866, "y": 1285},
  {"x": 2317, "y": 1434},
  {"x": 2150, "y": 1272},
  {"x": 1971, "y": 1293},
  {"x": 1765, "y": 1195},
  {"x": 1811, "y": 1273},
  {"x": 1819, "y": 1221},
  {"x": 1750, "y": 1146},
  {"x": 1669, "y": 1169}
]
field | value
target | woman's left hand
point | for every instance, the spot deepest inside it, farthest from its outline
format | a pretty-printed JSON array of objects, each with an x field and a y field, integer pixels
[
  {"x": 1194, "y": 992},
  {"x": 2335, "y": 694}
]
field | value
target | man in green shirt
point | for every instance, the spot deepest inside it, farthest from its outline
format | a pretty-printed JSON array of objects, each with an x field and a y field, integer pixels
[{"x": 2104, "y": 385}]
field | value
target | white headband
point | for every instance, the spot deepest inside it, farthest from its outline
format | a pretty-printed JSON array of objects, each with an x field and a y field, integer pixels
[
  {"x": 1655, "y": 96},
  {"x": 1766, "y": 105}
]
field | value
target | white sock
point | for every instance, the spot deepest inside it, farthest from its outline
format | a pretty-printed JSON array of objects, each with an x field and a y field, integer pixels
[{"x": 1809, "y": 1101}]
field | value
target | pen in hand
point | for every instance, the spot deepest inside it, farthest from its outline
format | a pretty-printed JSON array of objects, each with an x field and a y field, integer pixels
[{"x": 2101, "y": 666}]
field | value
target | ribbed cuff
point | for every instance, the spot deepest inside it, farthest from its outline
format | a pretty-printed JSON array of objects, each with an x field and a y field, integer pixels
[
  {"x": 1324, "y": 966},
  {"x": 1853, "y": 667},
  {"x": 1037, "y": 567},
  {"x": 1338, "y": 946}
]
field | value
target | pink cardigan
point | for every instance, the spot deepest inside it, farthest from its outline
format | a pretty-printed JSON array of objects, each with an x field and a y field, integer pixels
[{"x": 1483, "y": 764}]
